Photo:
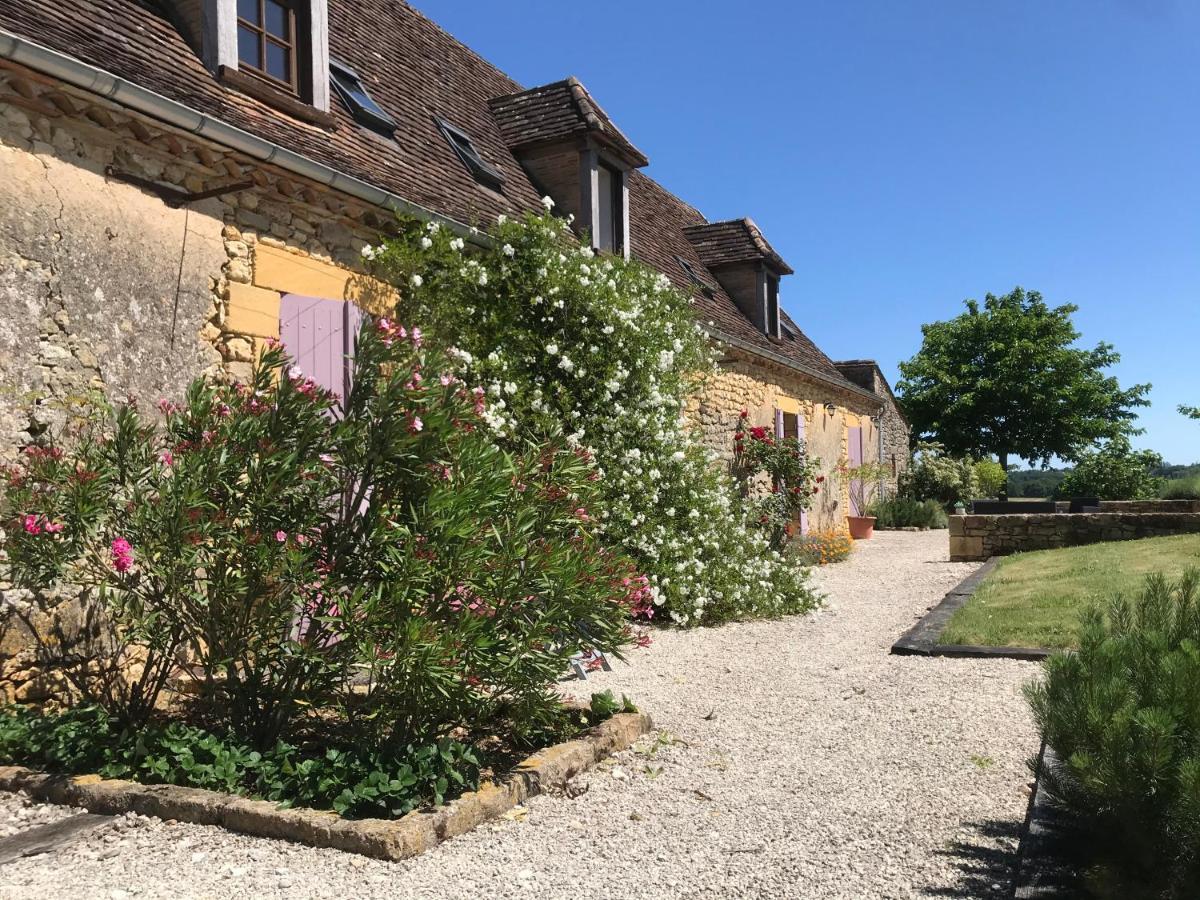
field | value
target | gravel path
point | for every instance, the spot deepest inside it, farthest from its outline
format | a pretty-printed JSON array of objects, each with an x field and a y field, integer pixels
[{"x": 794, "y": 759}]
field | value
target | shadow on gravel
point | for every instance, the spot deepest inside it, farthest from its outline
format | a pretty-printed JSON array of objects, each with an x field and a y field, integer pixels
[{"x": 985, "y": 860}]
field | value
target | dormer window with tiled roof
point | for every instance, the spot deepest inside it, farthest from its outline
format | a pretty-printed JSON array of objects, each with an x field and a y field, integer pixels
[
  {"x": 350, "y": 88},
  {"x": 746, "y": 266},
  {"x": 483, "y": 171},
  {"x": 574, "y": 154}
]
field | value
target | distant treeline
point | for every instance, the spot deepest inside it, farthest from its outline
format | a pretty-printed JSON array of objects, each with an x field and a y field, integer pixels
[{"x": 1042, "y": 482}]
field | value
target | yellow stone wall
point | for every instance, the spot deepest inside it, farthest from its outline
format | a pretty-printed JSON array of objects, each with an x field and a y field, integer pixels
[{"x": 745, "y": 383}]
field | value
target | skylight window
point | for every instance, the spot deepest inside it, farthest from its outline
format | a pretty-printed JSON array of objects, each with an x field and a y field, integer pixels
[
  {"x": 690, "y": 271},
  {"x": 485, "y": 173},
  {"x": 365, "y": 110}
]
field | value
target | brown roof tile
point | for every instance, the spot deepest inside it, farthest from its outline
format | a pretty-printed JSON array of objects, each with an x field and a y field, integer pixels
[
  {"x": 416, "y": 72},
  {"x": 552, "y": 112},
  {"x": 734, "y": 241}
]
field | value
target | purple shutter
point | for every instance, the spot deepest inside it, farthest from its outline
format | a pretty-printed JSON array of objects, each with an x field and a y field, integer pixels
[
  {"x": 800, "y": 435},
  {"x": 319, "y": 336},
  {"x": 779, "y": 423},
  {"x": 856, "y": 458}
]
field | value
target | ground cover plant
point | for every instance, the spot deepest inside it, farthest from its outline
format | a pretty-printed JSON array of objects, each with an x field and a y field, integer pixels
[
  {"x": 822, "y": 547},
  {"x": 1123, "y": 716},
  {"x": 1035, "y": 599},
  {"x": 273, "y": 564},
  {"x": 605, "y": 352}
]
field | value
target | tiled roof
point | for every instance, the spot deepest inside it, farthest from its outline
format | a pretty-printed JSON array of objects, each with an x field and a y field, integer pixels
[
  {"x": 734, "y": 241},
  {"x": 556, "y": 111},
  {"x": 417, "y": 73}
]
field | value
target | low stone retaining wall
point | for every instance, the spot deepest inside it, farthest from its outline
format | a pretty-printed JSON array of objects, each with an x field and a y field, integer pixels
[{"x": 980, "y": 537}]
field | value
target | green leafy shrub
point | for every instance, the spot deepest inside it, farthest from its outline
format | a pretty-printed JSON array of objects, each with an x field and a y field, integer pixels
[
  {"x": 1123, "y": 715},
  {"x": 990, "y": 477},
  {"x": 608, "y": 353},
  {"x": 1113, "y": 471},
  {"x": 905, "y": 512},
  {"x": 788, "y": 470},
  {"x": 935, "y": 475},
  {"x": 387, "y": 568}
]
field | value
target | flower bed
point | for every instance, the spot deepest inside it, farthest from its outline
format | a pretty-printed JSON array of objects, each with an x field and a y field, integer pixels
[{"x": 355, "y": 602}]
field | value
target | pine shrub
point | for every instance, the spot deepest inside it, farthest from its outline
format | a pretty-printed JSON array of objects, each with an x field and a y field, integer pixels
[{"x": 1123, "y": 716}]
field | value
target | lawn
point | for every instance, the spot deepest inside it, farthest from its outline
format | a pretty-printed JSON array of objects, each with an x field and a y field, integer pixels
[{"x": 1034, "y": 599}]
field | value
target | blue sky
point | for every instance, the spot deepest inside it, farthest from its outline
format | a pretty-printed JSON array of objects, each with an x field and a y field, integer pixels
[{"x": 905, "y": 156}]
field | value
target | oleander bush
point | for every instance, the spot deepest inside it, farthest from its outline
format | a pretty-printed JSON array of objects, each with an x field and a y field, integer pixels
[
  {"x": 905, "y": 512},
  {"x": 821, "y": 547},
  {"x": 273, "y": 560},
  {"x": 607, "y": 352},
  {"x": 1123, "y": 716}
]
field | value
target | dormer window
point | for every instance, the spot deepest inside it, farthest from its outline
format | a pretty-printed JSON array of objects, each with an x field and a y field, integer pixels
[
  {"x": 610, "y": 217},
  {"x": 773, "y": 305},
  {"x": 269, "y": 41},
  {"x": 364, "y": 109},
  {"x": 483, "y": 172}
]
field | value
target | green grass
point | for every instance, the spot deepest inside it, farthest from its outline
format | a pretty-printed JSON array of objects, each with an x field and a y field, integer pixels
[{"x": 1034, "y": 599}]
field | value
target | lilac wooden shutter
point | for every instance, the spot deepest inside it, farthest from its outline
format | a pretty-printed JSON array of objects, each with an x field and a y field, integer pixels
[
  {"x": 800, "y": 435},
  {"x": 856, "y": 458},
  {"x": 319, "y": 336},
  {"x": 779, "y": 423}
]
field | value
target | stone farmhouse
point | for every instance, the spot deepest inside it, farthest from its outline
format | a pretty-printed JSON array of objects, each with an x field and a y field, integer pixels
[{"x": 183, "y": 179}]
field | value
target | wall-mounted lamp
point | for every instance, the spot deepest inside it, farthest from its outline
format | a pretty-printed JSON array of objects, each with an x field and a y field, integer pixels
[{"x": 830, "y": 409}]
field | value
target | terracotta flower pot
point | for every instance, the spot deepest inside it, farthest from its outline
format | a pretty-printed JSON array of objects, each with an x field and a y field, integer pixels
[{"x": 861, "y": 527}]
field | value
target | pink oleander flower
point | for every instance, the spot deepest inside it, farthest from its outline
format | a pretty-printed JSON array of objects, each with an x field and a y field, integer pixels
[
  {"x": 416, "y": 337},
  {"x": 33, "y": 524},
  {"x": 582, "y": 514},
  {"x": 281, "y": 536},
  {"x": 167, "y": 458},
  {"x": 415, "y": 424},
  {"x": 122, "y": 555},
  {"x": 54, "y": 527}
]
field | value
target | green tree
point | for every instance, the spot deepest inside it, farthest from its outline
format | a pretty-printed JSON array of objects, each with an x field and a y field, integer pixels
[
  {"x": 1005, "y": 378},
  {"x": 1192, "y": 412},
  {"x": 1114, "y": 471}
]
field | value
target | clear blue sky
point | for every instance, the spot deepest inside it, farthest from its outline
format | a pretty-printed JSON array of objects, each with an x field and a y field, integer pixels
[{"x": 905, "y": 156}]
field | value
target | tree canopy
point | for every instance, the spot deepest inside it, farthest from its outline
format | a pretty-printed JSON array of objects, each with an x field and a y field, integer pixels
[{"x": 1006, "y": 378}]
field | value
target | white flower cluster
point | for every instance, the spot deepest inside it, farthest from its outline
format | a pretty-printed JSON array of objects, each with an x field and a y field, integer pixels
[{"x": 607, "y": 352}]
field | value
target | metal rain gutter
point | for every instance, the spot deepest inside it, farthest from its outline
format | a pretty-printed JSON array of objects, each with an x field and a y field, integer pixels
[{"x": 120, "y": 90}]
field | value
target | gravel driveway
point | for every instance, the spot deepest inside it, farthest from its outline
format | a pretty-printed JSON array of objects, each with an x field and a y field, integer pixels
[{"x": 794, "y": 759}]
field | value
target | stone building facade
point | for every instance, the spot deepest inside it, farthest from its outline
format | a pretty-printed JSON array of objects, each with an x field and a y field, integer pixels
[{"x": 895, "y": 447}]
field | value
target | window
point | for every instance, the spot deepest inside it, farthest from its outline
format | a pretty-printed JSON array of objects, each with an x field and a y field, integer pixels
[
  {"x": 611, "y": 219},
  {"x": 694, "y": 276},
  {"x": 365, "y": 110},
  {"x": 487, "y": 175},
  {"x": 791, "y": 426},
  {"x": 268, "y": 40},
  {"x": 773, "y": 305}
]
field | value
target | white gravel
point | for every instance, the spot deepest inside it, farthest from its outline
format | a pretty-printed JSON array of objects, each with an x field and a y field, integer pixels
[{"x": 794, "y": 759}]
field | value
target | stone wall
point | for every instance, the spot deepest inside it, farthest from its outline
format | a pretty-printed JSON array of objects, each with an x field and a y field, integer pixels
[
  {"x": 744, "y": 382},
  {"x": 105, "y": 288},
  {"x": 982, "y": 537}
]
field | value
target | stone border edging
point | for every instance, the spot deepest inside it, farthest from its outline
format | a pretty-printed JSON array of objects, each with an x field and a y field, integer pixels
[
  {"x": 1038, "y": 872},
  {"x": 389, "y": 839},
  {"x": 922, "y": 638}
]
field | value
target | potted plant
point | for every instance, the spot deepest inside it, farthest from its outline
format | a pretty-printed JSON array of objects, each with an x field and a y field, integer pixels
[{"x": 862, "y": 482}]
